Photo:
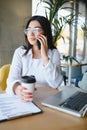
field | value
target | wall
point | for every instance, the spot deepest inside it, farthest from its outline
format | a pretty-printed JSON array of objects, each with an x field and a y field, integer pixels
[{"x": 13, "y": 18}]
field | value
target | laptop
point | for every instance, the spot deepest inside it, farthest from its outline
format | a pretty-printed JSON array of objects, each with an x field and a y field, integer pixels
[{"x": 70, "y": 100}]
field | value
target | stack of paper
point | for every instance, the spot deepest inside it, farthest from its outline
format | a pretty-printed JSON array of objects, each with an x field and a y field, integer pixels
[{"x": 11, "y": 107}]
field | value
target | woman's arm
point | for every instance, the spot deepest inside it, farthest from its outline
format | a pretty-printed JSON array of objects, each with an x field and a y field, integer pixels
[
  {"x": 15, "y": 71},
  {"x": 52, "y": 70}
]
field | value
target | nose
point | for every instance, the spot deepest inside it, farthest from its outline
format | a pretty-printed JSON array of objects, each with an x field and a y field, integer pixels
[{"x": 31, "y": 33}]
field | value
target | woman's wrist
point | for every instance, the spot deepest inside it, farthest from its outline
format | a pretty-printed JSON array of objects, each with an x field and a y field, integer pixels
[{"x": 46, "y": 60}]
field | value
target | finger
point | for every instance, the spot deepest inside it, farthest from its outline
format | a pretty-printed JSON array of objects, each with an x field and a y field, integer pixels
[
  {"x": 43, "y": 39},
  {"x": 43, "y": 42},
  {"x": 26, "y": 98},
  {"x": 26, "y": 94}
]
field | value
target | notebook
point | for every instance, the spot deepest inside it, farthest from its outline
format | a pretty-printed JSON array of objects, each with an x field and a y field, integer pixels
[
  {"x": 11, "y": 107},
  {"x": 69, "y": 100}
]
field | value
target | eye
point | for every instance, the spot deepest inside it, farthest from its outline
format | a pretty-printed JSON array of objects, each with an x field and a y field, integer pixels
[
  {"x": 26, "y": 31},
  {"x": 36, "y": 30}
]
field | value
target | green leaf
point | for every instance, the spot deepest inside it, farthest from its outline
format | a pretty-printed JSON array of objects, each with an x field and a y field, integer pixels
[{"x": 51, "y": 9}]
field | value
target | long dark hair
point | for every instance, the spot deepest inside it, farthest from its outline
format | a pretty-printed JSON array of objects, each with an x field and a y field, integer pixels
[{"x": 44, "y": 22}]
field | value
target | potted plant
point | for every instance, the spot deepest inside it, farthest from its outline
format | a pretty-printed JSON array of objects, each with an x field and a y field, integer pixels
[
  {"x": 57, "y": 23},
  {"x": 69, "y": 59}
]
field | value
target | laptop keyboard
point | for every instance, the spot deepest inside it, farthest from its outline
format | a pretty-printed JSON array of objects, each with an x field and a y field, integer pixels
[{"x": 76, "y": 102}]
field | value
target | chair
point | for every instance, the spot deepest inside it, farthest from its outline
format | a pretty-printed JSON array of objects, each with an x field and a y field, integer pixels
[
  {"x": 4, "y": 71},
  {"x": 75, "y": 72}
]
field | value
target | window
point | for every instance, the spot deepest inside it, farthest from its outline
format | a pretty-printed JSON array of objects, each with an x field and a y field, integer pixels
[{"x": 64, "y": 47}]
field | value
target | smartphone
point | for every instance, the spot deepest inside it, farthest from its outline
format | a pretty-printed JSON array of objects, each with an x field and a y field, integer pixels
[{"x": 38, "y": 44}]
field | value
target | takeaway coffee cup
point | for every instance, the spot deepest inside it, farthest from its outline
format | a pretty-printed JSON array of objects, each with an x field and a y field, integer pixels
[{"x": 29, "y": 83}]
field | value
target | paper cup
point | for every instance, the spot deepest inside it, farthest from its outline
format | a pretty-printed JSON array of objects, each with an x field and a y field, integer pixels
[{"x": 29, "y": 83}]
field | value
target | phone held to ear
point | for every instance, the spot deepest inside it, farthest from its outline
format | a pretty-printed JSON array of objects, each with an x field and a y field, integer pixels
[{"x": 38, "y": 44}]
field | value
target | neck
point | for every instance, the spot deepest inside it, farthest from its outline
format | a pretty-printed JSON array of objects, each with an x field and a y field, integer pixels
[{"x": 36, "y": 52}]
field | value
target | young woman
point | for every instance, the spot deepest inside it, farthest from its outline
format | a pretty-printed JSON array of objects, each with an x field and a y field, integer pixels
[{"x": 37, "y": 57}]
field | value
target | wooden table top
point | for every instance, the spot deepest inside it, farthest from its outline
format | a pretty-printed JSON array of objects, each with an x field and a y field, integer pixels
[{"x": 50, "y": 119}]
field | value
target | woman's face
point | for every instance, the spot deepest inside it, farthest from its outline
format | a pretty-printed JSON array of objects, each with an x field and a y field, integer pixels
[{"x": 33, "y": 31}]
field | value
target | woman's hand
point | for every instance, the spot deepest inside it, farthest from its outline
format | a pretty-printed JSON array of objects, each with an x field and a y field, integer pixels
[
  {"x": 23, "y": 94},
  {"x": 44, "y": 48}
]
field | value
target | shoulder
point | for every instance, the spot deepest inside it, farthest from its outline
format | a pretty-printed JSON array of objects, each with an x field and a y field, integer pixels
[
  {"x": 54, "y": 56},
  {"x": 20, "y": 50},
  {"x": 53, "y": 52}
]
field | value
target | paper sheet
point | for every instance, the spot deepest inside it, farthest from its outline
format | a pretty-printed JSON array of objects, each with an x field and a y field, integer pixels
[{"x": 11, "y": 107}]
